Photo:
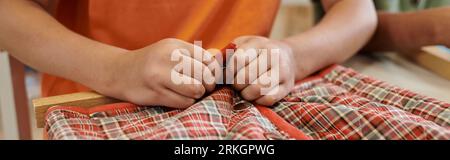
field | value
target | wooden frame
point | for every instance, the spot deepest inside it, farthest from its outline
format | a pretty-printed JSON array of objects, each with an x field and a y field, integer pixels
[
  {"x": 82, "y": 99},
  {"x": 436, "y": 59}
]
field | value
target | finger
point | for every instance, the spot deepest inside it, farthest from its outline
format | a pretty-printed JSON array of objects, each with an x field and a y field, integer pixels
[
  {"x": 199, "y": 71},
  {"x": 215, "y": 66},
  {"x": 273, "y": 96},
  {"x": 175, "y": 100},
  {"x": 256, "y": 89},
  {"x": 213, "y": 52},
  {"x": 185, "y": 85},
  {"x": 198, "y": 53},
  {"x": 252, "y": 71},
  {"x": 244, "y": 54},
  {"x": 241, "y": 58},
  {"x": 242, "y": 39},
  {"x": 245, "y": 39}
]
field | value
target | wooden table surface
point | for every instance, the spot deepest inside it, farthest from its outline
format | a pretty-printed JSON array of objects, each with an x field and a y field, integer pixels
[{"x": 401, "y": 72}]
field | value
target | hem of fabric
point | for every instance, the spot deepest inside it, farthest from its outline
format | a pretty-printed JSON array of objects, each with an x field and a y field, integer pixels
[
  {"x": 102, "y": 108},
  {"x": 281, "y": 124},
  {"x": 86, "y": 111}
]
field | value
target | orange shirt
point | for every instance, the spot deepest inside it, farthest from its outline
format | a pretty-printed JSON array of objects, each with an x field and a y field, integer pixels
[{"x": 133, "y": 24}]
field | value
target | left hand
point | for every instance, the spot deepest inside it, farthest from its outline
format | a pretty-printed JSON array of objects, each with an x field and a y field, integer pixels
[{"x": 259, "y": 87}]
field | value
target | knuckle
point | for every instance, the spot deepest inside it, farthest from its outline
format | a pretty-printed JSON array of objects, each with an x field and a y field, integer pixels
[
  {"x": 170, "y": 40},
  {"x": 250, "y": 75},
  {"x": 210, "y": 87},
  {"x": 246, "y": 95},
  {"x": 241, "y": 55},
  {"x": 238, "y": 86},
  {"x": 241, "y": 39},
  {"x": 207, "y": 56},
  {"x": 187, "y": 53},
  {"x": 197, "y": 90},
  {"x": 187, "y": 102},
  {"x": 258, "y": 39},
  {"x": 210, "y": 81},
  {"x": 267, "y": 101},
  {"x": 250, "y": 93},
  {"x": 272, "y": 46},
  {"x": 255, "y": 89},
  {"x": 263, "y": 38},
  {"x": 253, "y": 37}
]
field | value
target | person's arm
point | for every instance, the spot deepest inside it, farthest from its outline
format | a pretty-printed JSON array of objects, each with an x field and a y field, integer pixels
[
  {"x": 408, "y": 32},
  {"x": 346, "y": 28},
  {"x": 34, "y": 37},
  {"x": 143, "y": 76}
]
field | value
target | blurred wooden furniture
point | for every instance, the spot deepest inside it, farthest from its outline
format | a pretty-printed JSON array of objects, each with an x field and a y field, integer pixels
[
  {"x": 400, "y": 71},
  {"x": 294, "y": 16},
  {"x": 436, "y": 59},
  {"x": 13, "y": 99}
]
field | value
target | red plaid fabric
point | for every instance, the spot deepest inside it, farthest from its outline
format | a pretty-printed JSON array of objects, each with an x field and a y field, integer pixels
[
  {"x": 338, "y": 103},
  {"x": 342, "y": 104}
]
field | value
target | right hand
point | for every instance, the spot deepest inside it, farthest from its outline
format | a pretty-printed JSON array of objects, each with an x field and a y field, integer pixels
[{"x": 143, "y": 76}]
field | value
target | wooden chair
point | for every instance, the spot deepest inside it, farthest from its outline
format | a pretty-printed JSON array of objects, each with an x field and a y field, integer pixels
[{"x": 13, "y": 99}]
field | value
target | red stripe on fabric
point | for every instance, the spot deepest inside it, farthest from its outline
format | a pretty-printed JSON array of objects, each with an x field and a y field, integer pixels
[
  {"x": 88, "y": 111},
  {"x": 281, "y": 124}
]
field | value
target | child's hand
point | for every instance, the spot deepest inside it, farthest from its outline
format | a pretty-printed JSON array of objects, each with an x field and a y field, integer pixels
[
  {"x": 145, "y": 76},
  {"x": 255, "y": 87}
]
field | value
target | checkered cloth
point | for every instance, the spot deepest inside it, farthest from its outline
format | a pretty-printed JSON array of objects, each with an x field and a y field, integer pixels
[{"x": 337, "y": 103}]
